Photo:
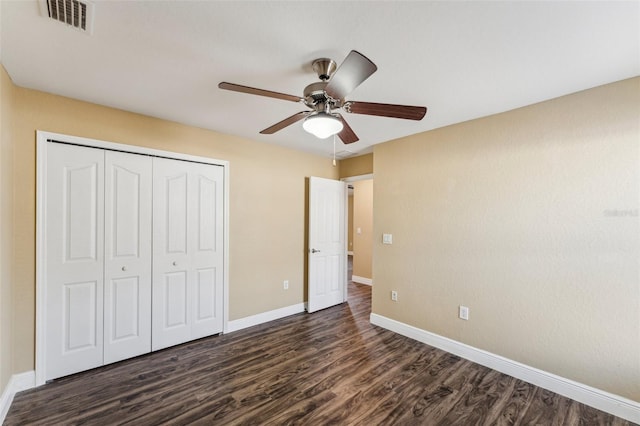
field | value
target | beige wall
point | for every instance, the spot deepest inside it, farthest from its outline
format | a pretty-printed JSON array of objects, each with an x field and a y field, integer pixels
[
  {"x": 267, "y": 206},
  {"x": 363, "y": 219},
  {"x": 529, "y": 218},
  {"x": 6, "y": 225},
  {"x": 356, "y": 166}
]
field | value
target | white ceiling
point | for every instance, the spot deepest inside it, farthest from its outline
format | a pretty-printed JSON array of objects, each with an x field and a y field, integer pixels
[{"x": 462, "y": 60}]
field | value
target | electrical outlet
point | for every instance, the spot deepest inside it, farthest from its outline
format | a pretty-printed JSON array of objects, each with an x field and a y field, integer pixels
[
  {"x": 463, "y": 312},
  {"x": 394, "y": 295},
  {"x": 285, "y": 284}
]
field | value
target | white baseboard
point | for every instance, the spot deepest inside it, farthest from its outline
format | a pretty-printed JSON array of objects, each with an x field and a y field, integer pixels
[
  {"x": 605, "y": 401},
  {"x": 361, "y": 280},
  {"x": 17, "y": 383},
  {"x": 257, "y": 319}
]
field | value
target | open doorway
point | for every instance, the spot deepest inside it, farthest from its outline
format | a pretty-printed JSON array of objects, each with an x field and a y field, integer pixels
[{"x": 360, "y": 229}]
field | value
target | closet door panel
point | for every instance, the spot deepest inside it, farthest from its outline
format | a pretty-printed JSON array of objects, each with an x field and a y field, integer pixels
[
  {"x": 128, "y": 215},
  {"x": 124, "y": 323},
  {"x": 176, "y": 310},
  {"x": 74, "y": 261},
  {"x": 172, "y": 287},
  {"x": 206, "y": 248}
]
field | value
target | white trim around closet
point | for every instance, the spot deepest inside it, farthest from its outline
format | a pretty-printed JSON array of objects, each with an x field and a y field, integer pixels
[{"x": 42, "y": 139}]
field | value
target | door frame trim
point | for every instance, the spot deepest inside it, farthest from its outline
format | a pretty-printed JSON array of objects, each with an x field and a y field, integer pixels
[
  {"x": 347, "y": 180},
  {"x": 42, "y": 139},
  {"x": 357, "y": 178}
]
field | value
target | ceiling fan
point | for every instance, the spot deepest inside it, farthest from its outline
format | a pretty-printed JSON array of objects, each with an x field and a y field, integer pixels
[{"x": 328, "y": 95}]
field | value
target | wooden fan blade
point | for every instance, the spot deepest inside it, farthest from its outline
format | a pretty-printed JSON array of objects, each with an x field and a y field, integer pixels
[
  {"x": 355, "y": 69},
  {"x": 386, "y": 110},
  {"x": 286, "y": 122},
  {"x": 253, "y": 91},
  {"x": 347, "y": 135}
]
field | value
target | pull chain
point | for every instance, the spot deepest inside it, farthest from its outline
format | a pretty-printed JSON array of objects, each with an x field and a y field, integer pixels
[{"x": 334, "y": 150}]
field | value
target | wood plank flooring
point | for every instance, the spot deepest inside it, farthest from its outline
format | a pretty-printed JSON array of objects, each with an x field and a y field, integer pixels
[{"x": 328, "y": 368}]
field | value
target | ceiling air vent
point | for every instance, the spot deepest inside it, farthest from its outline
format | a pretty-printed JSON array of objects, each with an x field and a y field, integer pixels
[{"x": 75, "y": 13}]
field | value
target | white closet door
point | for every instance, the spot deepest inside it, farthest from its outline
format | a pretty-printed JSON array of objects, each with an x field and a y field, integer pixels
[
  {"x": 187, "y": 251},
  {"x": 127, "y": 296},
  {"x": 171, "y": 323},
  {"x": 206, "y": 248},
  {"x": 74, "y": 259}
]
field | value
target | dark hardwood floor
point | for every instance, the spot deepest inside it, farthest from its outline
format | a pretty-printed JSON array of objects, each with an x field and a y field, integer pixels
[{"x": 328, "y": 368}]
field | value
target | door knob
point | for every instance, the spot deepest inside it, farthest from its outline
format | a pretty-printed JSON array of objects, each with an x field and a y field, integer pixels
[
  {"x": 124, "y": 268},
  {"x": 175, "y": 263},
  {"x": 315, "y": 251}
]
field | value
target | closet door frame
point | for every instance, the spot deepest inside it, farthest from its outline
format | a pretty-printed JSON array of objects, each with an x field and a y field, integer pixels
[{"x": 43, "y": 138}]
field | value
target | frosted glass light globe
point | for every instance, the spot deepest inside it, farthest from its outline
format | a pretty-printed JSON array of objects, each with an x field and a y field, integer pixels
[{"x": 322, "y": 125}]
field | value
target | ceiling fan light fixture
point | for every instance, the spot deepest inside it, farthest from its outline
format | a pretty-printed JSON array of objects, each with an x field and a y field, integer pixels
[{"x": 322, "y": 125}]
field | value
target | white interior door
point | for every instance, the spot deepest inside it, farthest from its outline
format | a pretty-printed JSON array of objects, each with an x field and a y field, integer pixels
[
  {"x": 187, "y": 251},
  {"x": 171, "y": 316},
  {"x": 327, "y": 251},
  {"x": 206, "y": 245},
  {"x": 74, "y": 260},
  {"x": 127, "y": 296}
]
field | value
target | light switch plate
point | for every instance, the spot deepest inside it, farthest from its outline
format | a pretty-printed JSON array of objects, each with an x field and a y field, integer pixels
[
  {"x": 463, "y": 312},
  {"x": 387, "y": 239}
]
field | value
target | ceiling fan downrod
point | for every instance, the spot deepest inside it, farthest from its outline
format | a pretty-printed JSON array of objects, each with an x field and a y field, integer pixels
[{"x": 324, "y": 67}]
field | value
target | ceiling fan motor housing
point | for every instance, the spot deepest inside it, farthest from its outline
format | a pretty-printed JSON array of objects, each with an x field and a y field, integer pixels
[{"x": 314, "y": 93}]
